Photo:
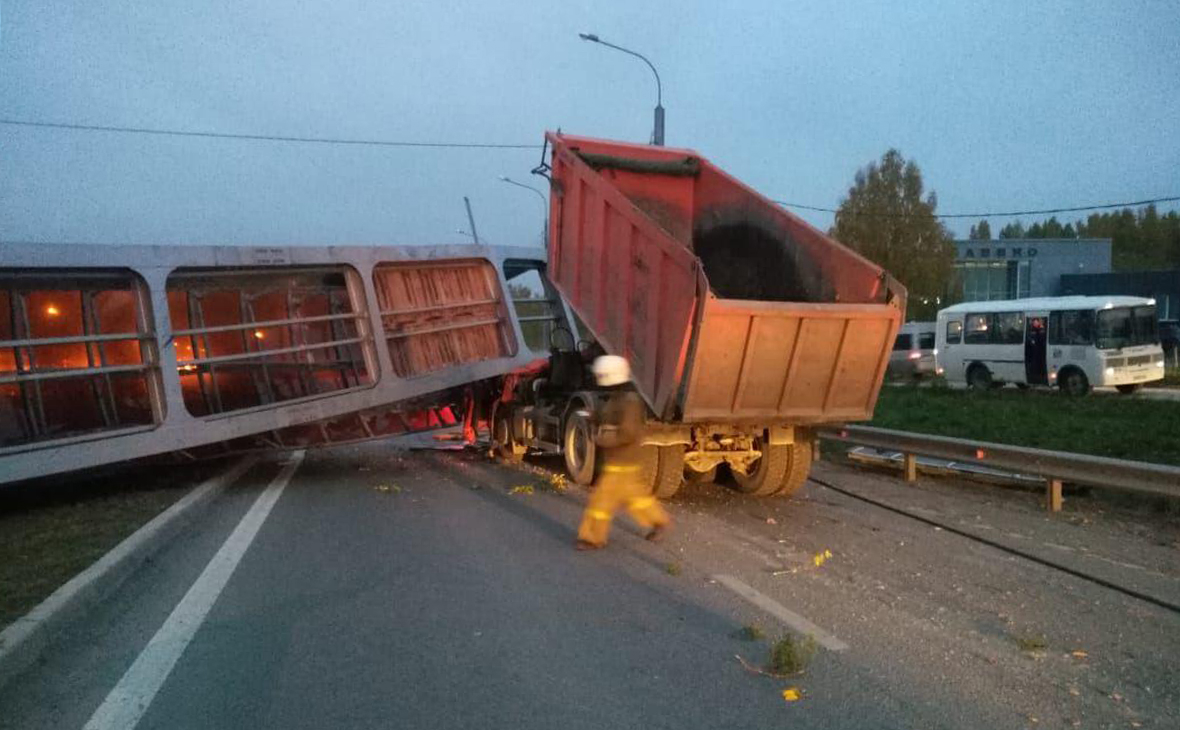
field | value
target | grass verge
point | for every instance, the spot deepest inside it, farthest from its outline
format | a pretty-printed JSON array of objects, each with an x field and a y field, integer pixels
[
  {"x": 52, "y": 530},
  {"x": 1101, "y": 424}
]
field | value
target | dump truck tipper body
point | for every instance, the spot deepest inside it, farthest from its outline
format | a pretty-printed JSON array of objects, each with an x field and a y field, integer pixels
[
  {"x": 743, "y": 324},
  {"x": 728, "y": 307}
]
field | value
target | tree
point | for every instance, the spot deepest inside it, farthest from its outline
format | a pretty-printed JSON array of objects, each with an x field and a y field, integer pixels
[
  {"x": 886, "y": 219},
  {"x": 981, "y": 232},
  {"x": 1140, "y": 239},
  {"x": 1012, "y": 230}
]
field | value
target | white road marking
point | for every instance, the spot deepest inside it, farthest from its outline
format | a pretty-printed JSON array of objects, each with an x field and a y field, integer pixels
[
  {"x": 782, "y": 613},
  {"x": 131, "y": 697}
]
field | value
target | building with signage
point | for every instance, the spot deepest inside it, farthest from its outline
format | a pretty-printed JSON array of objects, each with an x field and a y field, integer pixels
[{"x": 1017, "y": 268}]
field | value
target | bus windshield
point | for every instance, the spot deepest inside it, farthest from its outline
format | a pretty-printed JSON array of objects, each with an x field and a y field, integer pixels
[{"x": 1126, "y": 327}]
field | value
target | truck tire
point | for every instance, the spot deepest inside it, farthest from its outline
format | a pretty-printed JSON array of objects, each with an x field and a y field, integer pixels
[
  {"x": 766, "y": 475},
  {"x": 503, "y": 443},
  {"x": 577, "y": 444},
  {"x": 668, "y": 474},
  {"x": 798, "y": 467}
]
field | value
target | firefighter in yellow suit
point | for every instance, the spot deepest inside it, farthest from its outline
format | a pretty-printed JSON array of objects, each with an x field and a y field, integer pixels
[{"x": 619, "y": 441}]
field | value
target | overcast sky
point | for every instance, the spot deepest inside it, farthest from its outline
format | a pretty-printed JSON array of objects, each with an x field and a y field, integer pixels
[{"x": 1003, "y": 105}]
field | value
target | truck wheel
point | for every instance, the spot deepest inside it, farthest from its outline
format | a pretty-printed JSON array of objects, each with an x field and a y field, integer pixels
[
  {"x": 669, "y": 470},
  {"x": 766, "y": 475},
  {"x": 798, "y": 467},
  {"x": 502, "y": 441},
  {"x": 578, "y": 446}
]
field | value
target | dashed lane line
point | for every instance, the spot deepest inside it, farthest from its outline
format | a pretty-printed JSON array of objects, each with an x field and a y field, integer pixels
[{"x": 782, "y": 613}]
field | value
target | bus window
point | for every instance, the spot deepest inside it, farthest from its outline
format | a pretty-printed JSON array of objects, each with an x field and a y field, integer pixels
[
  {"x": 1009, "y": 329},
  {"x": 977, "y": 329},
  {"x": 1071, "y": 327},
  {"x": 954, "y": 332},
  {"x": 1145, "y": 328},
  {"x": 904, "y": 341},
  {"x": 926, "y": 341},
  {"x": 1115, "y": 329}
]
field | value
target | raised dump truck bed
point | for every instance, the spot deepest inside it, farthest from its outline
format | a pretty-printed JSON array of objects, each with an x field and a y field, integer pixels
[
  {"x": 728, "y": 307},
  {"x": 743, "y": 324}
]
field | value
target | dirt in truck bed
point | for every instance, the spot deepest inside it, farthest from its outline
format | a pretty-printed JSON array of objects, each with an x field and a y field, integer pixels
[{"x": 744, "y": 261}]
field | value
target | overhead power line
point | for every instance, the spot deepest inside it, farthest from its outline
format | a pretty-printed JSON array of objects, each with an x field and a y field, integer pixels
[
  {"x": 493, "y": 145},
  {"x": 268, "y": 137},
  {"x": 993, "y": 214}
]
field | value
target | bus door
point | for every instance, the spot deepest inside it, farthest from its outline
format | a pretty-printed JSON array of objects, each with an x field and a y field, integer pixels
[{"x": 1036, "y": 327}]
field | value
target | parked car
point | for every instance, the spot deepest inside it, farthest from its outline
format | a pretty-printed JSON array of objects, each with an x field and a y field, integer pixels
[{"x": 913, "y": 351}]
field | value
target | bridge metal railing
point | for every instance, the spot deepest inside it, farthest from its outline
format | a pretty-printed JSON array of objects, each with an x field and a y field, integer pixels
[{"x": 1054, "y": 467}]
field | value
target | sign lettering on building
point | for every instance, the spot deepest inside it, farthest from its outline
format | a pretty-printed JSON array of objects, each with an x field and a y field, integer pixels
[{"x": 999, "y": 253}]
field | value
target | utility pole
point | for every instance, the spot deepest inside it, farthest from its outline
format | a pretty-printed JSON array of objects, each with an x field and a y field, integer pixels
[
  {"x": 471, "y": 220},
  {"x": 544, "y": 205}
]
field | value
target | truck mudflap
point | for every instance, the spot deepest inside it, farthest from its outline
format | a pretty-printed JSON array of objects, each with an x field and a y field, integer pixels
[{"x": 795, "y": 362}]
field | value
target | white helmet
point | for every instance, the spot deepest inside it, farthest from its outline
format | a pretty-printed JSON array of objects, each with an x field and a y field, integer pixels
[{"x": 611, "y": 370}]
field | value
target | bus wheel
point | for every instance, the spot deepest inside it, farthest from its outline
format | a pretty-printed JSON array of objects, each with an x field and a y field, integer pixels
[
  {"x": 1129, "y": 388},
  {"x": 798, "y": 466},
  {"x": 979, "y": 378},
  {"x": 1073, "y": 382},
  {"x": 578, "y": 447},
  {"x": 765, "y": 476}
]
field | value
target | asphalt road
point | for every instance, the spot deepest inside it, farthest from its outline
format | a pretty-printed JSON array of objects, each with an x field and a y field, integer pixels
[{"x": 365, "y": 587}]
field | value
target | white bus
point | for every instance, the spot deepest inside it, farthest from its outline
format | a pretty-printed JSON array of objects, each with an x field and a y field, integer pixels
[{"x": 1071, "y": 342}]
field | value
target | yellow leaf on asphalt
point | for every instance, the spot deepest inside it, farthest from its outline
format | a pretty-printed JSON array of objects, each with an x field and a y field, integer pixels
[
  {"x": 818, "y": 559},
  {"x": 523, "y": 489},
  {"x": 791, "y": 694},
  {"x": 827, "y": 553},
  {"x": 1079, "y": 654}
]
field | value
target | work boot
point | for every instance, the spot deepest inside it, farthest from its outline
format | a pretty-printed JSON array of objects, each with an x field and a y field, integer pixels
[
  {"x": 657, "y": 533},
  {"x": 587, "y": 545}
]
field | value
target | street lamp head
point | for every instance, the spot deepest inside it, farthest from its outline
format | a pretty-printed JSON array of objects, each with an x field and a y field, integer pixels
[{"x": 588, "y": 37}]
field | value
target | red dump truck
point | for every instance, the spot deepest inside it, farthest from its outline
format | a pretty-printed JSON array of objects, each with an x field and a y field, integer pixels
[{"x": 745, "y": 326}]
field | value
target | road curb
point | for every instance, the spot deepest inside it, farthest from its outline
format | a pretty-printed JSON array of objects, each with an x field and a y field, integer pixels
[{"x": 22, "y": 642}]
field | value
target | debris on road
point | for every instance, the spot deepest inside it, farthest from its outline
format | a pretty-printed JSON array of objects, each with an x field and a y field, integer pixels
[
  {"x": 522, "y": 489},
  {"x": 792, "y": 694},
  {"x": 672, "y": 569},
  {"x": 749, "y": 632}
]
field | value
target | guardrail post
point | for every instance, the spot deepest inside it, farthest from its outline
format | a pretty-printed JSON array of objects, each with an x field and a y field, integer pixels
[
  {"x": 1053, "y": 495},
  {"x": 911, "y": 467}
]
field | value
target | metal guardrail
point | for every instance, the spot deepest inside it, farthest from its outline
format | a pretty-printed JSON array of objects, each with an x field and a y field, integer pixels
[{"x": 1054, "y": 467}]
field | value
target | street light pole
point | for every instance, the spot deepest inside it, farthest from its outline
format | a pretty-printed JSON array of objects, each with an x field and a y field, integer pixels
[
  {"x": 657, "y": 135},
  {"x": 544, "y": 205}
]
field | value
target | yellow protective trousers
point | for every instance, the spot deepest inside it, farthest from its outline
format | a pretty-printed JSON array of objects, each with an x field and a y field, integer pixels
[{"x": 619, "y": 486}]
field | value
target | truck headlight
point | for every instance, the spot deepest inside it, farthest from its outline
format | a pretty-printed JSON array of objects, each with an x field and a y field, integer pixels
[{"x": 1110, "y": 372}]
